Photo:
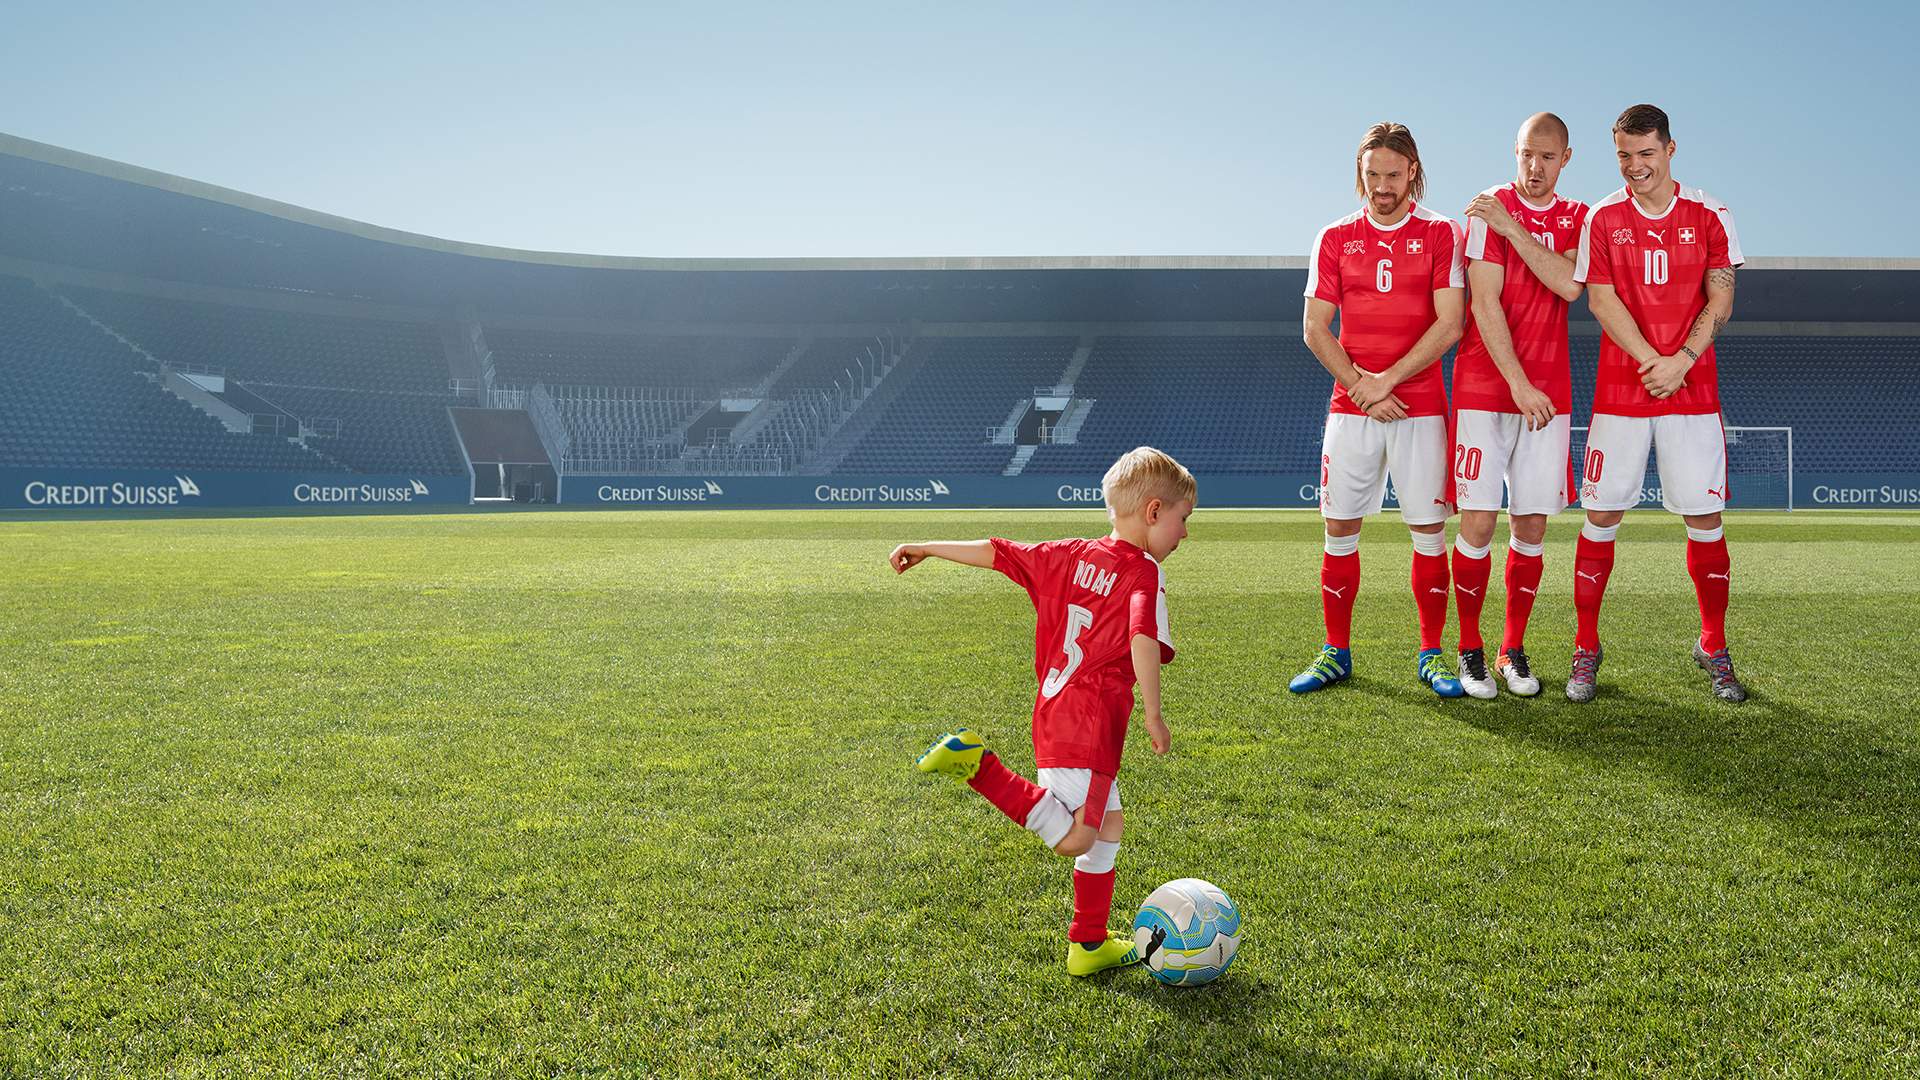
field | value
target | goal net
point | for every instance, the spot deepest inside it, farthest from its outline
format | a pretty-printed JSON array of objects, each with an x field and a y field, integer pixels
[{"x": 1759, "y": 468}]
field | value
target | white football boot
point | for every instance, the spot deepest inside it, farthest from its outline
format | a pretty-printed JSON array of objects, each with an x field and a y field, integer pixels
[
  {"x": 1512, "y": 666},
  {"x": 1473, "y": 674}
]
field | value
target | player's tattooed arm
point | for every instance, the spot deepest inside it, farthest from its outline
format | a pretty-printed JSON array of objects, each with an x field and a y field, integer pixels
[{"x": 1719, "y": 309}]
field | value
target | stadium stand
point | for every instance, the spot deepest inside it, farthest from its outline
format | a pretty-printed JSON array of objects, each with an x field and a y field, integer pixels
[
  {"x": 828, "y": 361},
  {"x": 379, "y": 432},
  {"x": 713, "y": 363},
  {"x": 376, "y": 388},
  {"x": 281, "y": 348},
  {"x": 960, "y": 388},
  {"x": 1219, "y": 404},
  {"x": 72, "y": 396}
]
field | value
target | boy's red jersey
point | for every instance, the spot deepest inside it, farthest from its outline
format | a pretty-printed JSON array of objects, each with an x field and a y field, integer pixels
[{"x": 1090, "y": 598}]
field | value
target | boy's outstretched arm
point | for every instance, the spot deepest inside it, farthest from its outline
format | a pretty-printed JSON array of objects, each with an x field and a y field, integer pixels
[
  {"x": 969, "y": 552},
  {"x": 1146, "y": 669}
]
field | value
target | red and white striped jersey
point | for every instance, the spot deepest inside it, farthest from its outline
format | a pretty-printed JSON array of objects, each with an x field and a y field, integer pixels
[
  {"x": 1383, "y": 279},
  {"x": 1090, "y": 597},
  {"x": 1536, "y": 315},
  {"x": 1658, "y": 267}
]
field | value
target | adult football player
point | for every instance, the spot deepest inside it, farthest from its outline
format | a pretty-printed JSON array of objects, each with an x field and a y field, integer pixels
[
  {"x": 1658, "y": 260},
  {"x": 1512, "y": 394},
  {"x": 1392, "y": 272}
]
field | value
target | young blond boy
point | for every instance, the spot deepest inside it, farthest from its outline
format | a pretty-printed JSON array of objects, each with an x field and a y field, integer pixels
[{"x": 1101, "y": 612}]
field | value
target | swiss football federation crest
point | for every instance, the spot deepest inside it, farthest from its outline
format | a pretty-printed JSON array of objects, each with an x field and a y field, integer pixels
[
  {"x": 1623, "y": 236},
  {"x": 1686, "y": 236},
  {"x": 1355, "y": 247},
  {"x": 1413, "y": 247},
  {"x": 1564, "y": 221}
]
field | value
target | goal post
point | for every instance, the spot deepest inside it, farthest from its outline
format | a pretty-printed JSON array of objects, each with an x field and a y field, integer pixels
[{"x": 1759, "y": 468}]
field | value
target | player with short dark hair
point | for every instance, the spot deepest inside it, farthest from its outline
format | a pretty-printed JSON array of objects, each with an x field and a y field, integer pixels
[
  {"x": 1513, "y": 394},
  {"x": 1658, "y": 260},
  {"x": 1391, "y": 271},
  {"x": 1101, "y": 627}
]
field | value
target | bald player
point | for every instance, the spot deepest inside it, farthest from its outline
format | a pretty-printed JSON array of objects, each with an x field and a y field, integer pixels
[{"x": 1512, "y": 393}]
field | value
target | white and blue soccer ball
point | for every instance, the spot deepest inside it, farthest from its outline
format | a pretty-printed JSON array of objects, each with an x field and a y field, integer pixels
[{"x": 1187, "y": 932}]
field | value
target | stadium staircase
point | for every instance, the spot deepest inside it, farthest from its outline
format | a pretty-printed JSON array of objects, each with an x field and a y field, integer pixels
[
  {"x": 364, "y": 395},
  {"x": 73, "y": 394}
]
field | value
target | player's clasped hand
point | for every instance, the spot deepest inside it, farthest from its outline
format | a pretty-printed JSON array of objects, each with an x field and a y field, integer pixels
[
  {"x": 906, "y": 557},
  {"x": 1369, "y": 390},
  {"x": 1389, "y": 410},
  {"x": 1663, "y": 376}
]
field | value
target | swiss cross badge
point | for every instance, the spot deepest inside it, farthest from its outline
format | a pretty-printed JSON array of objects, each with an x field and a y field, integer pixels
[
  {"x": 1413, "y": 247},
  {"x": 1686, "y": 236},
  {"x": 1564, "y": 222}
]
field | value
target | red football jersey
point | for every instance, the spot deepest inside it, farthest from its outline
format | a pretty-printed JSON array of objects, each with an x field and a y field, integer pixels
[
  {"x": 1658, "y": 266},
  {"x": 1091, "y": 597},
  {"x": 1383, "y": 281},
  {"x": 1536, "y": 315}
]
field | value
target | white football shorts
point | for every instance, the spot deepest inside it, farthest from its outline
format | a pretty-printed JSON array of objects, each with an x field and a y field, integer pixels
[
  {"x": 1491, "y": 447},
  {"x": 1070, "y": 787},
  {"x": 1690, "y": 450},
  {"x": 1359, "y": 454}
]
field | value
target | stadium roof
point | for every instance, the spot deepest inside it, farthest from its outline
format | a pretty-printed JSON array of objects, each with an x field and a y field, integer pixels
[{"x": 64, "y": 208}]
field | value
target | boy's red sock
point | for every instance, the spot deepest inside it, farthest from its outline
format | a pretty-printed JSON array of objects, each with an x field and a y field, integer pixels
[
  {"x": 1092, "y": 906},
  {"x": 1014, "y": 794}
]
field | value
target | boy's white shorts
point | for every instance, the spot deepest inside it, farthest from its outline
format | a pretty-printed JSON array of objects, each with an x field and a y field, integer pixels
[
  {"x": 1690, "y": 450},
  {"x": 1070, "y": 787},
  {"x": 1358, "y": 454},
  {"x": 1491, "y": 447}
]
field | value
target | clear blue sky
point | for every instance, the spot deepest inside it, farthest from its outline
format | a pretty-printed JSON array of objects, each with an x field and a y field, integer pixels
[{"x": 793, "y": 129}]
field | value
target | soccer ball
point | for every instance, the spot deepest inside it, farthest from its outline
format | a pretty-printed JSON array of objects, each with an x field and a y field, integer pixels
[{"x": 1187, "y": 932}]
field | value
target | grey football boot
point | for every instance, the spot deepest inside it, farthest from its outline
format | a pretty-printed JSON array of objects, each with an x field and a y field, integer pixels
[
  {"x": 1585, "y": 681},
  {"x": 1719, "y": 669}
]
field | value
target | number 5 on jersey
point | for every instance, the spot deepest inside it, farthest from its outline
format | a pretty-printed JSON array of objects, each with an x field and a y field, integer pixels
[{"x": 1079, "y": 621}]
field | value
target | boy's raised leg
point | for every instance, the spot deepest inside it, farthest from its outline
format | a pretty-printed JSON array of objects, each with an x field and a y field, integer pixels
[{"x": 962, "y": 754}]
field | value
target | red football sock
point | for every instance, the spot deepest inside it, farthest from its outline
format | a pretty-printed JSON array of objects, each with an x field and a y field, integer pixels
[
  {"x": 1523, "y": 584},
  {"x": 1592, "y": 563},
  {"x": 1339, "y": 584},
  {"x": 1014, "y": 794},
  {"x": 1430, "y": 597},
  {"x": 1092, "y": 906},
  {"x": 1469, "y": 593},
  {"x": 1712, "y": 571}
]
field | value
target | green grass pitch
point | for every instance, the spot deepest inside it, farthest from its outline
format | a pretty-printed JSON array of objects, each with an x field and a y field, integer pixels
[{"x": 631, "y": 793}]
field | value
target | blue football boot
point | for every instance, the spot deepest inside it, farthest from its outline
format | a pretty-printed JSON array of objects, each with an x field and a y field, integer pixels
[
  {"x": 1331, "y": 666},
  {"x": 1435, "y": 674}
]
